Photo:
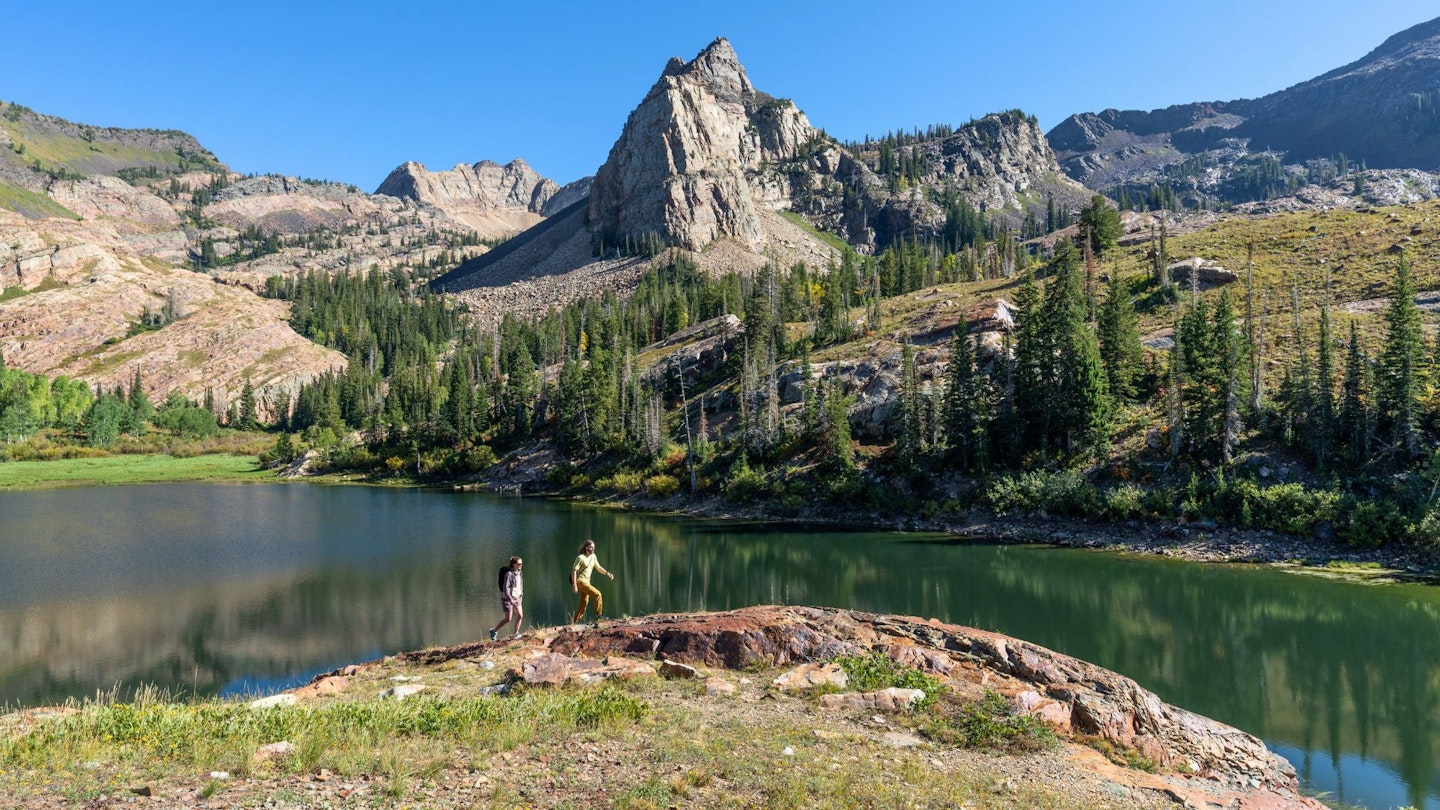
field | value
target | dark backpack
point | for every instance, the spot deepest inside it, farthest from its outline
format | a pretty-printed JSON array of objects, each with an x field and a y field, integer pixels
[{"x": 501, "y": 581}]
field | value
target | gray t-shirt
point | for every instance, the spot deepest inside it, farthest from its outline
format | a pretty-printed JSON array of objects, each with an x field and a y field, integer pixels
[{"x": 514, "y": 586}]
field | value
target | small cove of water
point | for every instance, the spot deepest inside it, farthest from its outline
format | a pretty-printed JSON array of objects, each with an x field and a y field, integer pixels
[{"x": 223, "y": 589}]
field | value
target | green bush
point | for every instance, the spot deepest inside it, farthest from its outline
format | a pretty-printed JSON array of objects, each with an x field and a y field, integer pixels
[
  {"x": 1066, "y": 492},
  {"x": 868, "y": 673},
  {"x": 1370, "y": 524},
  {"x": 1124, "y": 502},
  {"x": 627, "y": 482},
  {"x": 662, "y": 486},
  {"x": 1291, "y": 508},
  {"x": 990, "y": 723},
  {"x": 744, "y": 484}
]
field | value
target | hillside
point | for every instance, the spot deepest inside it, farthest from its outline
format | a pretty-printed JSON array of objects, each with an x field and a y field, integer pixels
[{"x": 137, "y": 251}]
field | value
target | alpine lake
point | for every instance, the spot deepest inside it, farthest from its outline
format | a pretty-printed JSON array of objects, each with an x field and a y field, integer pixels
[{"x": 231, "y": 590}]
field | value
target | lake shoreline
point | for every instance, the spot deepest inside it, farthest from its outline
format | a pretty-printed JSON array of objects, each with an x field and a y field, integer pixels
[{"x": 1199, "y": 542}]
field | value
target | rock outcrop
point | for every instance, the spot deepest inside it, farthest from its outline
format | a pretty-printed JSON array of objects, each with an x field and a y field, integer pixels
[
  {"x": 1201, "y": 762},
  {"x": 683, "y": 167},
  {"x": 492, "y": 199}
]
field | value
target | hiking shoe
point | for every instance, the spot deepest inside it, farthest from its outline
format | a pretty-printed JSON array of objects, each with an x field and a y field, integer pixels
[{"x": 494, "y": 636}]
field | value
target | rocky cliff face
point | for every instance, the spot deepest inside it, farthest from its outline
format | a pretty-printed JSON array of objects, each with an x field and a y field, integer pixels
[
  {"x": 1000, "y": 164},
  {"x": 1383, "y": 109},
  {"x": 687, "y": 167},
  {"x": 493, "y": 200}
]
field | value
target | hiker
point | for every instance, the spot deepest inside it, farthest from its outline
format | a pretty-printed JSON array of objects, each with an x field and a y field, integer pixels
[
  {"x": 512, "y": 590},
  {"x": 580, "y": 581}
]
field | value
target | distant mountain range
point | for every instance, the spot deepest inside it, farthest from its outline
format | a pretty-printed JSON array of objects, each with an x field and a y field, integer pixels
[{"x": 1382, "y": 112}]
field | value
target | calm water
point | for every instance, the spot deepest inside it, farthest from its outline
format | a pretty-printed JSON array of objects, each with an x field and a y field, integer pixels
[{"x": 243, "y": 589}]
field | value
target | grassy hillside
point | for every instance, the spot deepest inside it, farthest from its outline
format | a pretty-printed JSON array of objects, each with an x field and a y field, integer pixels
[
  {"x": 38, "y": 148},
  {"x": 32, "y": 204}
]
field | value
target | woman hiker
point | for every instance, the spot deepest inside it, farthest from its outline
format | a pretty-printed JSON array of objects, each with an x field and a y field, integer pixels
[
  {"x": 512, "y": 590},
  {"x": 580, "y": 581}
]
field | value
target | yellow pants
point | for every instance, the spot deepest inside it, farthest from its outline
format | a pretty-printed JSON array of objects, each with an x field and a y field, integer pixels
[{"x": 588, "y": 592}]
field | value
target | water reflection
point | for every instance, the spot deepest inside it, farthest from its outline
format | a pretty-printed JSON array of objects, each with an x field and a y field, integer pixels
[{"x": 224, "y": 589}]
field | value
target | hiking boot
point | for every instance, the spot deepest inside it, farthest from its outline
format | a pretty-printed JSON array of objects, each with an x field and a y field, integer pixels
[{"x": 494, "y": 636}]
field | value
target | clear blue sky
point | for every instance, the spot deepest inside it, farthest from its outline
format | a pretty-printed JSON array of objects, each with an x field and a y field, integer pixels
[{"x": 348, "y": 91}]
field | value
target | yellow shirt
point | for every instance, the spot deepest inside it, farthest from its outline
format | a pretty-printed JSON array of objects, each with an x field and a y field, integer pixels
[{"x": 584, "y": 564}]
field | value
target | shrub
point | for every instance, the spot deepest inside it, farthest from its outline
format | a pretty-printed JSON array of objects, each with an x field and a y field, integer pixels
[
  {"x": 868, "y": 673},
  {"x": 662, "y": 486},
  {"x": 478, "y": 459},
  {"x": 627, "y": 482},
  {"x": 1124, "y": 502},
  {"x": 744, "y": 484},
  {"x": 1063, "y": 493},
  {"x": 989, "y": 723},
  {"x": 1369, "y": 524}
]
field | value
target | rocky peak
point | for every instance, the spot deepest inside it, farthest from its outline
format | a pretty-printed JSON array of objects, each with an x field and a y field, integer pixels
[
  {"x": 719, "y": 68},
  {"x": 687, "y": 166},
  {"x": 483, "y": 184},
  {"x": 494, "y": 200}
]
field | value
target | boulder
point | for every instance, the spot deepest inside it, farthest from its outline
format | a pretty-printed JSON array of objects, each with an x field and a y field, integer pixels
[
  {"x": 891, "y": 699},
  {"x": 675, "y": 669},
  {"x": 404, "y": 690},
  {"x": 718, "y": 687},
  {"x": 282, "y": 699},
  {"x": 555, "y": 669},
  {"x": 271, "y": 754},
  {"x": 1206, "y": 272},
  {"x": 809, "y": 676}
]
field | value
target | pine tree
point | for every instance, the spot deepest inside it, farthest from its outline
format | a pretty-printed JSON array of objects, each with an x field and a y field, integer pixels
[
  {"x": 1075, "y": 389},
  {"x": 1398, "y": 386},
  {"x": 247, "y": 412},
  {"x": 910, "y": 445},
  {"x": 1029, "y": 419},
  {"x": 1354, "y": 422},
  {"x": 1120, "y": 348},
  {"x": 1255, "y": 336},
  {"x": 1100, "y": 223},
  {"x": 967, "y": 408},
  {"x": 1230, "y": 354},
  {"x": 141, "y": 410},
  {"x": 1322, "y": 422}
]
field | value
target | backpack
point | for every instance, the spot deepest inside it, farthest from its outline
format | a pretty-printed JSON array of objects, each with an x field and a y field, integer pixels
[{"x": 501, "y": 581}]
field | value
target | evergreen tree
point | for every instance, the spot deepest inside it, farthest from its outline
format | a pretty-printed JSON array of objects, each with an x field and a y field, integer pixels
[
  {"x": 1200, "y": 378},
  {"x": 141, "y": 409},
  {"x": 1398, "y": 386},
  {"x": 1074, "y": 388},
  {"x": 1354, "y": 424},
  {"x": 1029, "y": 417},
  {"x": 1100, "y": 223},
  {"x": 1322, "y": 422},
  {"x": 967, "y": 406},
  {"x": 1118, "y": 329},
  {"x": 248, "y": 412},
  {"x": 910, "y": 446},
  {"x": 1230, "y": 354}
]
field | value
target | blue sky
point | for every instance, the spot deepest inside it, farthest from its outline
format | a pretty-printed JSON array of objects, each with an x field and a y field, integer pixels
[{"x": 348, "y": 91}]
